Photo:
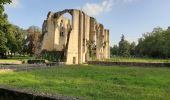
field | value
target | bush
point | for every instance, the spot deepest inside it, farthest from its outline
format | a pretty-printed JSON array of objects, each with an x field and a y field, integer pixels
[
  {"x": 54, "y": 56},
  {"x": 37, "y": 61}
]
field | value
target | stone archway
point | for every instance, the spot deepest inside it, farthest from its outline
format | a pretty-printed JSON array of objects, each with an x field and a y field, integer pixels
[{"x": 64, "y": 21}]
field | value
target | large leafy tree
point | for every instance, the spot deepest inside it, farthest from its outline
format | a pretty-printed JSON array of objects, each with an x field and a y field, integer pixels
[
  {"x": 155, "y": 43},
  {"x": 20, "y": 39},
  {"x": 3, "y": 16},
  {"x": 3, "y": 22},
  {"x": 15, "y": 36},
  {"x": 11, "y": 36},
  {"x": 3, "y": 41},
  {"x": 12, "y": 42}
]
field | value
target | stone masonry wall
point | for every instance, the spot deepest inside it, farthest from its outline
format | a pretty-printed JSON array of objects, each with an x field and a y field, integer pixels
[{"x": 84, "y": 29}]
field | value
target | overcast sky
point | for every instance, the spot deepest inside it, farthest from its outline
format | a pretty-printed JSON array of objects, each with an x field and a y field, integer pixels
[{"x": 129, "y": 17}]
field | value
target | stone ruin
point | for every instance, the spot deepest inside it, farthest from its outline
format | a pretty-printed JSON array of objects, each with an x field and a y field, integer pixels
[{"x": 79, "y": 39}]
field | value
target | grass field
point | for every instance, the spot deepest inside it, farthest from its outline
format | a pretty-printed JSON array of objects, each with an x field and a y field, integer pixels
[
  {"x": 15, "y": 60},
  {"x": 95, "y": 82},
  {"x": 131, "y": 59}
]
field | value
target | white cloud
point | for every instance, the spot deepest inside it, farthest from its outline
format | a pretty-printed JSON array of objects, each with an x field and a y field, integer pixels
[
  {"x": 14, "y": 4},
  {"x": 94, "y": 9}
]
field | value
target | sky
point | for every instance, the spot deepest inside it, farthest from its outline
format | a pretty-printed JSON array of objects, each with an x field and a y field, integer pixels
[{"x": 129, "y": 17}]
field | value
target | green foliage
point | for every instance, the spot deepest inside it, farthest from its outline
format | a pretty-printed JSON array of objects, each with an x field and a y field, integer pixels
[
  {"x": 15, "y": 37},
  {"x": 3, "y": 41},
  {"x": 155, "y": 44},
  {"x": 55, "y": 56},
  {"x": 36, "y": 61},
  {"x": 2, "y": 3},
  {"x": 91, "y": 49},
  {"x": 95, "y": 82},
  {"x": 3, "y": 21},
  {"x": 114, "y": 50},
  {"x": 132, "y": 48},
  {"x": 11, "y": 36},
  {"x": 124, "y": 47}
]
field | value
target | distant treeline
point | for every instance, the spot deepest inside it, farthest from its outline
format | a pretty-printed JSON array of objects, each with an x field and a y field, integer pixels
[{"x": 155, "y": 44}]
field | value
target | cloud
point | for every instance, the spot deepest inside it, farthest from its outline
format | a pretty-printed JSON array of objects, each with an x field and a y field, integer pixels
[
  {"x": 14, "y": 4},
  {"x": 94, "y": 9}
]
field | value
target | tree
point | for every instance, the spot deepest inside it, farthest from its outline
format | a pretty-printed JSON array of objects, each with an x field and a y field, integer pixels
[
  {"x": 33, "y": 39},
  {"x": 132, "y": 49},
  {"x": 124, "y": 47},
  {"x": 3, "y": 22},
  {"x": 3, "y": 16},
  {"x": 2, "y": 3},
  {"x": 155, "y": 44},
  {"x": 168, "y": 27},
  {"x": 3, "y": 41},
  {"x": 114, "y": 50},
  {"x": 20, "y": 39},
  {"x": 11, "y": 40}
]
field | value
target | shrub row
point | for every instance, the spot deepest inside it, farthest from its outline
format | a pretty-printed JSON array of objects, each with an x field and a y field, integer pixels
[{"x": 37, "y": 61}]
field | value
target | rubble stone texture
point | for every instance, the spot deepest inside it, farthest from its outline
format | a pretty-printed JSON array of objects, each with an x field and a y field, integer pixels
[{"x": 81, "y": 38}]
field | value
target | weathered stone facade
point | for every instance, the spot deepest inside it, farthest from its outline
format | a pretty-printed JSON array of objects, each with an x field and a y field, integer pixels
[{"x": 81, "y": 39}]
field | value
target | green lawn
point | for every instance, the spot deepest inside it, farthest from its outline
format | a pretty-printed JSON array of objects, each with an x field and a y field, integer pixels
[
  {"x": 15, "y": 60},
  {"x": 145, "y": 60},
  {"x": 95, "y": 82}
]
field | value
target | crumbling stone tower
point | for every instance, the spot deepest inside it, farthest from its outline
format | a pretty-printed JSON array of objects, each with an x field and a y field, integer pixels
[{"x": 81, "y": 39}]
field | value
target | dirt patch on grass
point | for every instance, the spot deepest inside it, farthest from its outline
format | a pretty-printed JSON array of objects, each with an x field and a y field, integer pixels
[{"x": 4, "y": 71}]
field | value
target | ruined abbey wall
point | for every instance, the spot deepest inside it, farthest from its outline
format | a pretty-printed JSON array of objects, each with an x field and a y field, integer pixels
[{"x": 82, "y": 38}]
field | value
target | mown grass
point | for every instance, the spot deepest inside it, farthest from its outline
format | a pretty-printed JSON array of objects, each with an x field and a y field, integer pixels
[
  {"x": 15, "y": 59},
  {"x": 134, "y": 59},
  {"x": 95, "y": 82}
]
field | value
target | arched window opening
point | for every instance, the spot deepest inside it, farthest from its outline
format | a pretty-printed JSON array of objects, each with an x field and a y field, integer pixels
[{"x": 65, "y": 24}]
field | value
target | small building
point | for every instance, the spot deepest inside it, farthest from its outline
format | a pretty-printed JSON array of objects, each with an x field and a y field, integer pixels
[{"x": 79, "y": 39}]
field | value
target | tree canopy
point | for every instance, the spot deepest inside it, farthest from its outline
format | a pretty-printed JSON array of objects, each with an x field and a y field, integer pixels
[
  {"x": 11, "y": 36},
  {"x": 154, "y": 44},
  {"x": 3, "y": 24}
]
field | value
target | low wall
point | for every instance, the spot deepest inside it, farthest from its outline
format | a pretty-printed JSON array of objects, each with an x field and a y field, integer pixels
[
  {"x": 107, "y": 63},
  {"x": 13, "y": 94}
]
